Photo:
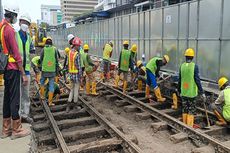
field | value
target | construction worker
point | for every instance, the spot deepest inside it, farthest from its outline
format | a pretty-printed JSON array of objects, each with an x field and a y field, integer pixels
[
  {"x": 221, "y": 106},
  {"x": 57, "y": 90},
  {"x": 141, "y": 75},
  {"x": 152, "y": 71},
  {"x": 70, "y": 38},
  {"x": 49, "y": 61},
  {"x": 107, "y": 53},
  {"x": 13, "y": 74},
  {"x": 65, "y": 66},
  {"x": 36, "y": 65},
  {"x": 90, "y": 68},
  {"x": 189, "y": 82},
  {"x": 134, "y": 60},
  {"x": 75, "y": 72},
  {"x": 124, "y": 63},
  {"x": 25, "y": 46}
]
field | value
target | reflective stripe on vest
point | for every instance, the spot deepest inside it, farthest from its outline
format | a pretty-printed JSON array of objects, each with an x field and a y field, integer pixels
[
  {"x": 49, "y": 59},
  {"x": 188, "y": 84},
  {"x": 27, "y": 50},
  {"x": 125, "y": 58},
  {"x": 107, "y": 51},
  {"x": 152, "y": 65},
  {"x": 226, "y": 107},
  {"x": 71, "y": 63}
]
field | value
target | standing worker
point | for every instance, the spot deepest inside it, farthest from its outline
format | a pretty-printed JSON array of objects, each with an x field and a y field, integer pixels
[
  {"x": 36, "y": 65},
  {"x": 90, "y": 68},
  {"x": 221, "y": 107},
  {"x": 12, "y": 75},
  {"x": 75, "y": 72},
  {"x": 49, "y": 62},
  {"x": 25, "y": 46},
  {"x": 188, "y": 86},
  {"x": 107, "y": 54},
  {"x": 152, "y": 70},
  {"x": 124, "y": 63},
  {"x": 134, "y": 60}
]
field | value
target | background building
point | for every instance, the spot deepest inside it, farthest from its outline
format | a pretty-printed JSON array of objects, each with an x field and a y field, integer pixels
[
  {"x": 71, "y": 8},
  {"x": 51, "y": 14}
]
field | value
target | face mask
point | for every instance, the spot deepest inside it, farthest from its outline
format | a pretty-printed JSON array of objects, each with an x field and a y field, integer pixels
[
  {"x": 24, "y": 27},
  {"x": 14, "y": 20}
]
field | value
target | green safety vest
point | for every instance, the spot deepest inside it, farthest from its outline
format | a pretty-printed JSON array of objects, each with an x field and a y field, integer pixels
[
  {"x": 81, "y": 60},
  {"x": 152, "y": 65},
  {"x": 35, "y": 60},
  {"x": 88, "y": 68},
  {"x": 49, "y": 59},
  {"x": 124, "y": 61},
  {"x": 226, "y": 107},
  {"x": 27, "y": 49},
  {"x": 107, "y": 51},
  {"x": 188, "y": 84}
]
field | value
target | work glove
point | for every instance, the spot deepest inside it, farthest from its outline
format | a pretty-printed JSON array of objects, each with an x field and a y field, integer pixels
[{"x": 204, "y": 97}]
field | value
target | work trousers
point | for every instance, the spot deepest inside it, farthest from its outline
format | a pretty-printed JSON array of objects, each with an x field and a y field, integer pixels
[
  {"x": 51, "y": 83},
  {"x": 189, "y": 105},
  {"x": 125, "y": 75},
  {"x": 151, "y": 79},
  {"x": 74, "y": 92},
  {"x": 105, "y": 66},
  {"x": 25, "y": 100},
  {"x": 11, "y": 99},
  {"x": 90, "y": 77}
]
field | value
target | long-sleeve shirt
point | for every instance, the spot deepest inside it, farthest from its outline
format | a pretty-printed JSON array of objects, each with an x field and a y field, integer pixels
[
  {"x": 12, "y": 46},
  {"x": 220, "y": 98},
  {"x": 77, "y": 77}
]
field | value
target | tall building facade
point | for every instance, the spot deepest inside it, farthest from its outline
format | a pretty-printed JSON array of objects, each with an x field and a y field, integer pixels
[
  {"x": 51, "y": 14},
  {"x": 71, "y": 8}
]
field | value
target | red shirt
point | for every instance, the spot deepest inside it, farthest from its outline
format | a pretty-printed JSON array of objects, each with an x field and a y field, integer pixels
[{"x": 12, "y": 46}]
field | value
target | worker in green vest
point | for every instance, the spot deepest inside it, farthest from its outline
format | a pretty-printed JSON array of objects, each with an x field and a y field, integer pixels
[
  {"x": 90, "y": 68},
  {"x": 221, "y": 107},
  {"x": 188, "y": 86},
  {"x": 25, "y": 47},
  {"x": 107, "y": 53},
  {"x": 141, "y": 74},
  {"x": 49, "y": 61},
  {"x": 36, "y": 65},
  {"x": 134, "y": 60},
  {"x": 152, "y": 71},
  {"x": 124, "y": 63},
  {"x": 57, "y": 91}
]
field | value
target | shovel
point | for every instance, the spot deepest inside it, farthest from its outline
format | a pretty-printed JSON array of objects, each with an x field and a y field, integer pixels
[{"x": 206, "y": 113}]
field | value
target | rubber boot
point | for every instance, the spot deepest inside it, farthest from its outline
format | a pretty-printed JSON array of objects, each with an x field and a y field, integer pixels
[
  {"x": 124, "y": 86},
  {"x": 42, "y": 92},
  {"x": 184, "y": 118},
  {"x": 94, "y": 89},
  {"x": 6, "y": 128},
  {"x": 147, "y": 91},
  {"x": 18, "y": 131},
  {"x": 190, "y": 120},
  {"x": 175, "y": 101},
  {"x": 158, "y": 95},
  {"x": 87, "y": 86},
  {"x": 116, "y": 81},
  {"x": 50, "y": 99},
  {"x": 1, "y": 80},
  {"x": 139, "y": 85},
  {"x": 221, "y": 121}
]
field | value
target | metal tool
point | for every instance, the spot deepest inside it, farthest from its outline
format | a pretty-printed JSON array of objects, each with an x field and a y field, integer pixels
[{"x": 206, "y": 114}]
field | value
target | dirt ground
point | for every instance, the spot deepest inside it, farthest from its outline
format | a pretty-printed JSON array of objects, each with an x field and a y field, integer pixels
[{"x": 148, "y": 141}]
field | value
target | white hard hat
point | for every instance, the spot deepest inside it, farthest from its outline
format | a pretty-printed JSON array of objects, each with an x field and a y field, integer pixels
[
  {"x": 143, "y": 56},
  {"x": 12, "y": 8},
  {"x": 70, "y": 36},
  {"x": 25, "y": 17}
]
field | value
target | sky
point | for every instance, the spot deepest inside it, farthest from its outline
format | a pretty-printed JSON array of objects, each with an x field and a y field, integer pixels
[{"x": 33, "y": 7}]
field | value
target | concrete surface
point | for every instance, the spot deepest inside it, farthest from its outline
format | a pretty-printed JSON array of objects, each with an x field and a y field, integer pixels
[{"x": 7, "y": 145}]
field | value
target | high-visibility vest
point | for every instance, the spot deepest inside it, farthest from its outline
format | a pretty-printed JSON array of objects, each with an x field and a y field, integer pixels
[
  {"x": 107, "y": 51},
  {"x": 188, "y": 84},
  {"x": 35, "y": 60},
  {"x": 226, "y": 107},
  {"x": 152, "y": 65},
  {"x": 88, "y": 68},
  {"x": 71, "y": 62},
  {"x": 81, "y": 59},
  {"x": 49, "y": 59},
  {"x": 27, "y": 49},
  {"x": 125, "y": 58}
]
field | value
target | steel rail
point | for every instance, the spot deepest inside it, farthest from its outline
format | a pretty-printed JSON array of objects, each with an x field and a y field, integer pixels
[{"x": 173, "y": 122}]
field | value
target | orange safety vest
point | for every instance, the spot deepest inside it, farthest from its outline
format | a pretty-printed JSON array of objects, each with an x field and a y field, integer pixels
[
  {"x": 72, "y": 66},
  {"x": 3, "y": 42}
]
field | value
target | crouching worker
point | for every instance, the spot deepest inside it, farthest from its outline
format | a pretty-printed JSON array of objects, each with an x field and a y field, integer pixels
[
  {"x": 141, "y": 75},
  {"x": 221, "y": 107},
  {"x": 57, "y": 90},
  {"x": 90, "y": 68},
  {"x": 49, "y": 62},
  {"x": 152, "y": 71},
  {"x": 36, "y": 65},
  {"x": 75, "y": 72}
]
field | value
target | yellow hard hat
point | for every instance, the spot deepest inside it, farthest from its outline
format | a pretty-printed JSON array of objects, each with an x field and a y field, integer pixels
[
  {"x": 166, "y": 57},
  {"x": 139, "y": 63},
  {"x": 44, "y": 40},
  {"x": 189, "y": 52},
  {"x": 125, "y": 42},
  {"x": 86, "y": 47},
  {"x": 222, "y": 81},
  {"x": 67, "y": 50},
  {"x": 134, "y": 48}
]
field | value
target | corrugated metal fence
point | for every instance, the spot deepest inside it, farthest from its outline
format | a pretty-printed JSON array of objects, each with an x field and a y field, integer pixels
[{"x": 203, "y": 25}]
